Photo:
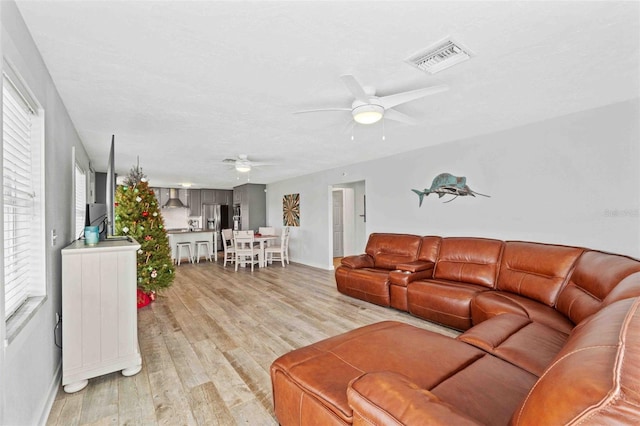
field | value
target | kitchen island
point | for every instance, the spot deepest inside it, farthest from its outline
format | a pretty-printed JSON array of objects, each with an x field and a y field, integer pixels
[{"x": 186, "y": 236}]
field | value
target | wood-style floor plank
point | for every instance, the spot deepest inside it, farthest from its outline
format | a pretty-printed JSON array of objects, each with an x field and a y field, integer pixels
[{"x": 208, "y": 341}]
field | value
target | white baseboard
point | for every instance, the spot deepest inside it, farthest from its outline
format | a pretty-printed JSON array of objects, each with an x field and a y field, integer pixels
[{"x": 53, "y": 391}]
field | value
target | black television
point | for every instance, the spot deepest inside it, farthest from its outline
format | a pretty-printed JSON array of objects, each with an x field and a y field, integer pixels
[{"x": 111, "y": 191}]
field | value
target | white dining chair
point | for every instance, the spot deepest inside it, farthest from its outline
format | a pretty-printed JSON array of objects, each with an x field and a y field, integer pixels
[
  {"x": 279, "y": 252},
  {"x": 229, "y": 248},
  {"x": 267, "y": 230},
  {"x": 245, "y": 250}
]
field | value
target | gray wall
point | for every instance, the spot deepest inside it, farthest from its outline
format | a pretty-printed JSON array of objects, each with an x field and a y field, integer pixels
[
  {"x": 568, "y": 180},
  {"x": 30, "y": 369}
]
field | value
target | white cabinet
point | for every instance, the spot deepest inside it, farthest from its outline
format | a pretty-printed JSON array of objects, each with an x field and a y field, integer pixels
[{"x": 99, "y": 311}]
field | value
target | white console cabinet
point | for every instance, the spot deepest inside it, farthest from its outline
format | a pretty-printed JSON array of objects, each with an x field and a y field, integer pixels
[{"x": 99, "y": 311}]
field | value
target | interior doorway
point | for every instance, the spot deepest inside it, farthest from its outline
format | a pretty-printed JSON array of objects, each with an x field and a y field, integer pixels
[{"x": 348, "y": 220}]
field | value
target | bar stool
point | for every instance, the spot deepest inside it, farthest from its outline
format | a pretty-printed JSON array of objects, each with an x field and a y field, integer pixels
[
  {"x": 207, "y": 251},
  {"x": 179, "y": 247}
]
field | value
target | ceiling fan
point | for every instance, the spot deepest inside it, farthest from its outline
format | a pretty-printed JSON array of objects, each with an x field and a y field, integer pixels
[
  {"x": 242, "y": 163},
  {"x": 367, "y": 108}
]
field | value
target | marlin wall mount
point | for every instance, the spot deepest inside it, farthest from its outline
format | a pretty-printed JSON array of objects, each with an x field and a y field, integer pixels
[{"x": 448, "y": 184}]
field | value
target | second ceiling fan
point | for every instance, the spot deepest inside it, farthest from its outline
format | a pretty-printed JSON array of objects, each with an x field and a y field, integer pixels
[{"x": 367, "y": 108}]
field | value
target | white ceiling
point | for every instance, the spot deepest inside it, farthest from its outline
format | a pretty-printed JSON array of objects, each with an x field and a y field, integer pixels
[{"x": 185, "y": 84}]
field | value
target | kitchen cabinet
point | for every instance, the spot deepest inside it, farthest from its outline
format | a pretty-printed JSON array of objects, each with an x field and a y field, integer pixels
[
  {"x": 100, "y": 328},
  {"x": 208, "y": 196},
  {"x": 253, "y": 205},
  {"x": 237, "y": 195},
  {"x": 223, "y": 196},
  {"x": 195, "y": 202}
]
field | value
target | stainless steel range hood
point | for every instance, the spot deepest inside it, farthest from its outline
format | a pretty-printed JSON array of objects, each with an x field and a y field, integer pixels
[{"x": 174, "y": 201}]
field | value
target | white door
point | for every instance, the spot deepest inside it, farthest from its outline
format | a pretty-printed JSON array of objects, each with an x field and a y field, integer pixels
[{"x": 338, "y": 225}]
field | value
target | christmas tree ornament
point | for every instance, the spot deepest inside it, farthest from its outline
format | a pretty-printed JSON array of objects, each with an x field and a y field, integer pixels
[{"x": 138, "y": 199}]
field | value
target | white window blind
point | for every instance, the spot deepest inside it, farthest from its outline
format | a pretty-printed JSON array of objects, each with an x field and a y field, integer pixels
[
  {"x": 18, "y": 196},
  {"x": 81, "y": 199}
]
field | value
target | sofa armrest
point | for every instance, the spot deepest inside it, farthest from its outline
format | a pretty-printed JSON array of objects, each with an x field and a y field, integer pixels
[
  {"x": 390, "y": 398},
  {"x": 403, "y": 278},
  {"x": 417, "y": 266},
  {"x": 358, "y": 262}
]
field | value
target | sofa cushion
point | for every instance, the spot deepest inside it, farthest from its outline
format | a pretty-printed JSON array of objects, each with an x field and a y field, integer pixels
[
  {"x": 518, "y": 340},
  {"x": 389, "y": 398},
  {"x": 369, "y": 284},
  {"x": 322, "y": 371},
  {"x": 441, "y": 301},
  {"x": 489, "y": 304},
  {"x": 594, "y": 378},
  {"x": 469, "y": 260},
  {"x": 387, "y": 250},
  {"x": 596, "y": 274},
  {"x": 537, "y": 271},
  {"x": 488, "y": 390},
  {"x": 429, "y": 248}
]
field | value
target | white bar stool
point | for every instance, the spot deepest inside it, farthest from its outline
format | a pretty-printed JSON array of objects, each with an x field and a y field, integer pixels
[
  {"x": 207, "y": 250},
  {"x": 179, "y": 247}
]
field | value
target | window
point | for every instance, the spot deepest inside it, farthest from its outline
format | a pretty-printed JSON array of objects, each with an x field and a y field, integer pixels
[
  {"x": 23, "y": 248},
  {"x": 80, "y": 181}
]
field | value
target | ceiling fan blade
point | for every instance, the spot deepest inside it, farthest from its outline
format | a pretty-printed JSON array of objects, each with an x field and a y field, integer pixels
[
  {"x": 394, "y": 115},
  {"x": 321, "y": 110},
  {"x": 355, "y": 88},
  {"x": 404, "y": 97},
  {"x": 229, "y": 160}
]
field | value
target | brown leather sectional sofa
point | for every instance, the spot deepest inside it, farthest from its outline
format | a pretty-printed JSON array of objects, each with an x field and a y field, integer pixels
[{"x": 552, "y": 336}]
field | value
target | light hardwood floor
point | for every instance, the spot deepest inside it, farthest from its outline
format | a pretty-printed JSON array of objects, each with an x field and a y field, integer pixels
[{"x": 208, "y": 341}]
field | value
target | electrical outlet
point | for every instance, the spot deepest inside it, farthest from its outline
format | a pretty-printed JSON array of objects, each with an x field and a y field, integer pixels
[
  {"x": 57, "y": 317},
  {"x": 54, "y": 237}
]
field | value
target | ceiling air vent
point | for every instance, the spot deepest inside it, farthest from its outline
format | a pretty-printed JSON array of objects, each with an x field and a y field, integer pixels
[{"x": 439, "y": 56}]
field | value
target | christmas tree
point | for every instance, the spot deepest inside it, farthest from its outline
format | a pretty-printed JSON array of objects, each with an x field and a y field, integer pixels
[{"x": 137, "y": 215}]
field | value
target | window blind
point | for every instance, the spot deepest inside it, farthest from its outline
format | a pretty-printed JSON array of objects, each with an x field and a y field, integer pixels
[
  {"x": 18, "y": 196},
  {"x": 81, "y": 199}
]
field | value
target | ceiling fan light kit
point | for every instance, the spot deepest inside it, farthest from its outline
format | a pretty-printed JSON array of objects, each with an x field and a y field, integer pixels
[
  {"x": 367, "y": 114},
  {"x": 243, "y": 167}
]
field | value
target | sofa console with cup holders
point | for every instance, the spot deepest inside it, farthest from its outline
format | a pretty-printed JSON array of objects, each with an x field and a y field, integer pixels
[{"x": 551, "y": 335}]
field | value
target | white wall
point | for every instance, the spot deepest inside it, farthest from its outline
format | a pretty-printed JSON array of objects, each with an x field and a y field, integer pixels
[
  {"x": 30, "y": 370},
  {"x": 569, "y": 180}
]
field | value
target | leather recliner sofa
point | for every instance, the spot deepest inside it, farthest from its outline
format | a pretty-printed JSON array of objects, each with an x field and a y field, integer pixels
[{"x": 552, "y": 337}]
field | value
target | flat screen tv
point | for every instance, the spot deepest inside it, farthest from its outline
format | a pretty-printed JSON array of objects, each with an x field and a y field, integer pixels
[{"x": 111, "y": 191}]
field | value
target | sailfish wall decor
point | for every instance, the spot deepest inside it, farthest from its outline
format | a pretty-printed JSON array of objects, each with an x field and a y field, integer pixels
[{"x": 448, "y": 184}]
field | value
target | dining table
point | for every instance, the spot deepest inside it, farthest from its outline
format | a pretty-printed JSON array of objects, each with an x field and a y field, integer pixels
[{"x": 263, "y": 241}]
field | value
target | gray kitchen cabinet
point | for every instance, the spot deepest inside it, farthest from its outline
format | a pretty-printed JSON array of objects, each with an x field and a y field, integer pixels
[
  {"x": 208, "y": 196},
  {"x": 183, "y": 195},
  {"x": 237, "y": 195},
  {"x": 253, "y": 205},
  {"x": 223, "y": 197},
  {"x": 195, "y": 202}
]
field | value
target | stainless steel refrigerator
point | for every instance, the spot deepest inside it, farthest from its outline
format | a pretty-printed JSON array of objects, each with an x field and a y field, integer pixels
[{"x": 215, "y": 217}]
